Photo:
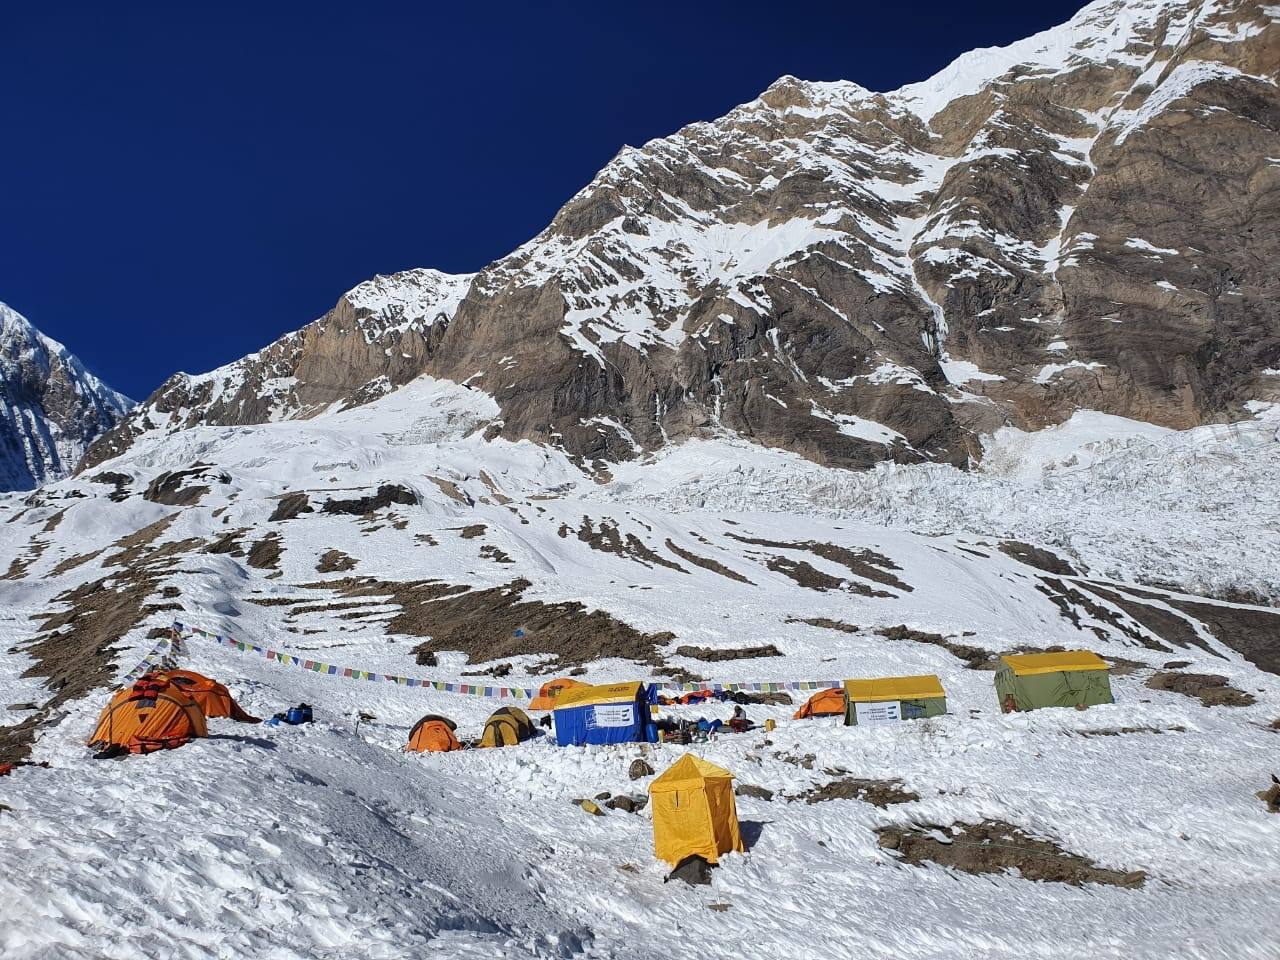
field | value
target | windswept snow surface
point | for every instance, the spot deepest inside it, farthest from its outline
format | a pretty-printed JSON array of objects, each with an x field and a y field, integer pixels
[
  {"x": 327, "y": 841},
  {"x": 269, "y": 842}
]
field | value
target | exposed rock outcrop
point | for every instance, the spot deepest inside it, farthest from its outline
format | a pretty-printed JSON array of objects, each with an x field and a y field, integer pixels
[
  {"x": 379, "y": 336},
  {"x": 51, "y": 407}
]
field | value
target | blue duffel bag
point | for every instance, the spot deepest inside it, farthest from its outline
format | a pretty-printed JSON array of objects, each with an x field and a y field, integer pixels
[{"x": 299, "y": 714}]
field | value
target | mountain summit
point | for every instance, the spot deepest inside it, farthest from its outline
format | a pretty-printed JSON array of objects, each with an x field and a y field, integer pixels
[
  {"x": 1085, "y": 219},
  {"x": 51, "y": 407}
]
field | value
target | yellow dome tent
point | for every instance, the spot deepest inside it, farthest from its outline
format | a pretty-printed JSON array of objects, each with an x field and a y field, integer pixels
[
  {"x": 506, "y": 727},
  {"x": 694, "y": 812}
]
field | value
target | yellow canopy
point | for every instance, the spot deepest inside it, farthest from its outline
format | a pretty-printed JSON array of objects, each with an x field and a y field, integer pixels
[
  {"x": 1030, "y": 664},
  {"x": 894, "y": 688},
  {"x": 694, "y": 812},
  {"x": 688, "y": 773},
  {"x": 606, "y": 693}
]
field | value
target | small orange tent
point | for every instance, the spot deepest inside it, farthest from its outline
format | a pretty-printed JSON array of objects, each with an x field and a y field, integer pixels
[
  {"x": 153, "y": 714},
  {"x": 433, "y": 734},
  {"x": 824, "y": 703},
  {"x": 214, "y": 699},
  {"x": 546, "y": 698}
]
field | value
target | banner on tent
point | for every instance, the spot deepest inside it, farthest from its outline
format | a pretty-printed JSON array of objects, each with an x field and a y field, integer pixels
[{"x": 282, "y": 658}]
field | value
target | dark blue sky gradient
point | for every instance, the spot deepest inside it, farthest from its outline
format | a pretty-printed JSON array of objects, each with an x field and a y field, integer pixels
[{"x": 181, "y": 183}]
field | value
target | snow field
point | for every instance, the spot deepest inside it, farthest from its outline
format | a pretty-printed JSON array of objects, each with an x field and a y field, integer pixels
[
  {"x": 316, "y": 841},
  {"x": 323, "y": 841},
  {"x": 1128, "y": 500}
]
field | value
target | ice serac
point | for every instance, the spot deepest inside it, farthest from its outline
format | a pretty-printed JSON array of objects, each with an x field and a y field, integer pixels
[
  {"x": 377, "y": 337},
  {"x": 1084, "y": 219},
  {"x": 51, "y": 407}
]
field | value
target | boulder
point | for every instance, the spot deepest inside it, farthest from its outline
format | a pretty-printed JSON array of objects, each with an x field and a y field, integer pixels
[
  {"x": 693, "y": 870},
  {"x": 639, "y": 768}
]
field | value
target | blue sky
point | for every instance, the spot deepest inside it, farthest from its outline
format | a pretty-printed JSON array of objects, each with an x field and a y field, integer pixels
[{"x": 182, "y": 183}]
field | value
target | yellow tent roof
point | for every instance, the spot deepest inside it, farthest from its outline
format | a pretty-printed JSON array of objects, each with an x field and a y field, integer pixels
[
  {"x": 607, "y": 693},
  {"x": 1030, "y": 664},
  {"x": 686, "y": 773},
  {"x": 894, "y": 688}
]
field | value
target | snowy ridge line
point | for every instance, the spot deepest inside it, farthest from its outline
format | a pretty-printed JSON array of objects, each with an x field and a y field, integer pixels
[{"x": 471, "y": 689}]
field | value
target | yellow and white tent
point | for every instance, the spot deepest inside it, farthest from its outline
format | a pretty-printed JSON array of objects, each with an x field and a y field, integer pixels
[{"x": 889, "y": 699}]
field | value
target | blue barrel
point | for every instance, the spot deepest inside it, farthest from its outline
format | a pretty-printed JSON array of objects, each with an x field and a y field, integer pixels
[{"x": 296, "y": 715}]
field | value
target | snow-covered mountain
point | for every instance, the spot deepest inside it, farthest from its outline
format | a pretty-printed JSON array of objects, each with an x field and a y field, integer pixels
[
  {"x": 51, "y": 407},
  {"x": 1084, "y": 219},
  {"x": 622, "y": 451},
  {"x": 377, "y": 337}
]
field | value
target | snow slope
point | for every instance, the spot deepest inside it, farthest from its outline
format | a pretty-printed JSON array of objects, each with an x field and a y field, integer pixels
[
  {"x": 324, "y": 842},
  {"x": 1130, "y": 500},
  {"x": 327, "y": 841}
]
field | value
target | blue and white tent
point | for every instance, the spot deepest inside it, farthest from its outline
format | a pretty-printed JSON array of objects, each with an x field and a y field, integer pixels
[{"x": 613, "y": 713}]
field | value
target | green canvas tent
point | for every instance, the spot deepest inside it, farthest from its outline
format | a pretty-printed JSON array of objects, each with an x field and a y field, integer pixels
[
  {"x": 890, "y": 699},
  {"x": 1075, "y": 678}
]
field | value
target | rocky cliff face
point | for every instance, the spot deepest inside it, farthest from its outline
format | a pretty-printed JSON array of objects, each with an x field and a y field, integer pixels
[
  {"x": 1087, "y": 218},
  {"x": 379, "y": 336},
  {"x": 51, "y": 407}
]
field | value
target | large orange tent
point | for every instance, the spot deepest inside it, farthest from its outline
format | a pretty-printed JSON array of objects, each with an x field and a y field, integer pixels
[
  {"x": 433, "y": 734},
  {"x": 546, "y": 698},
  {"x": 694, "y": 812},
  {"x": 153, "y": 714},
  {"x": 824, "y": 703},
  {"x": 214, "y": 699}
]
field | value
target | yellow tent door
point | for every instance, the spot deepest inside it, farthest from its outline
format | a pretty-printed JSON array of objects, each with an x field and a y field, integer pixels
[
  {"x": 694, "y": 812},
  {"x": 500, "y": 732}
]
